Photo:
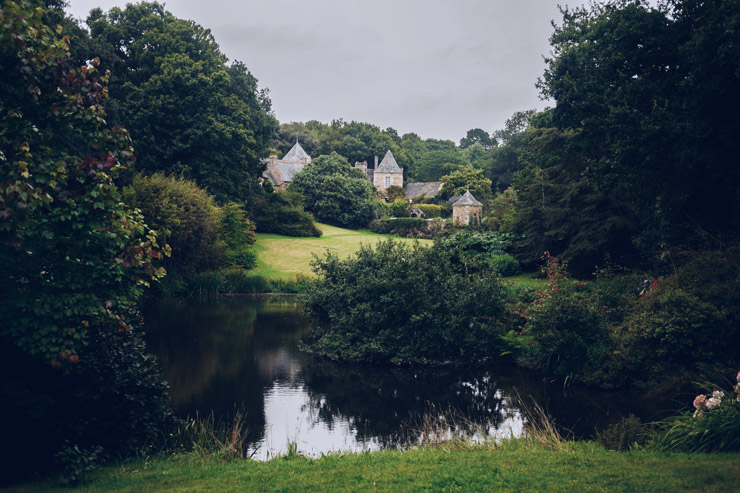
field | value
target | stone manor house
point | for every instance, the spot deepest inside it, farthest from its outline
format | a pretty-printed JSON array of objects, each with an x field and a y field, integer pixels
[{"x": 385, "y": 174}]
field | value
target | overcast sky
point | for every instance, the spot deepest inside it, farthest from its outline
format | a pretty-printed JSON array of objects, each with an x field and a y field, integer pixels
[{"x": 434, "y": 67}]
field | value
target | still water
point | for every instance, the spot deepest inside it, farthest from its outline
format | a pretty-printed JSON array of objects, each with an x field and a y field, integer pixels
[{"x": 241, "y": 352}]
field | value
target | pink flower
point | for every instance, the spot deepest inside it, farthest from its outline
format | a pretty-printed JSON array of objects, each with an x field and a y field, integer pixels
[
  {"x": 712, "y": 402},
  {"x": 699, "y": 401},
  {"x": 738, "y": 377}
]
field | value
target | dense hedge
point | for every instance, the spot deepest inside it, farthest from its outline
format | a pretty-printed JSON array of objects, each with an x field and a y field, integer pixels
[
  {"x": 397, "y": 303},
  {"x": 408, "y": 226}
]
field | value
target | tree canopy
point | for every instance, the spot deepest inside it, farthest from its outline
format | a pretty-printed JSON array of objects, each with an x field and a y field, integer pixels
[
  {"x": 335, "y": 192},
  {"x": 190, "y": 113}
]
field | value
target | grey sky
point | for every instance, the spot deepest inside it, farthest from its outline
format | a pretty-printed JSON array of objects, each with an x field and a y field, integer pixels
[{"x": 437, "y": 68}]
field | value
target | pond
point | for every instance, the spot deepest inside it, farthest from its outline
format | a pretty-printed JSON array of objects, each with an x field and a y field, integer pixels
[{"x": 241, "y": 353}]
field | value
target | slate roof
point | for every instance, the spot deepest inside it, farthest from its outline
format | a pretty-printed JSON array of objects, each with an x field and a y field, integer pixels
[
  {"x": 289, "y": 170},
  {"x": 388, "y": 164},
  {"x": 296, "y": 155},
  {"x": 467, "y": 199},
  {"x": 428, "y": 188}
]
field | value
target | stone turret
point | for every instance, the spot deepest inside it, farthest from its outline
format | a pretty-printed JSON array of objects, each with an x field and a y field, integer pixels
[
  {"x": 387, "y": 173},
  {"x": 466, "y": 210}
]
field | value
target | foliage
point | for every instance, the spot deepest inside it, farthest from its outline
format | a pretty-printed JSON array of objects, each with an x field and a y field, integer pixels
[
  {"x": 668, "y": 330},
  {"x": 399, "y": 208},
  {"x": 335, "y": 192},
  {"x": 504, "y": 264},
  {"x": 467, "y": 178},
  {"x": 559, "y": 209},
  {"x": 477, "y": 136},
  {"x": 186, "y": 217},
  {"x": 647, "y": 91},
  {"x": 237, "y": 231},
  {"x": 564, "y": 334},
  {"x": 394, "y": 193},
  {"x": 713, "y": 427},
  {"x": 627, "y": 433},
  {"x": 430, "y": 210},
  {"x": 76, "y": 463},
  {"x": 190, "y": 113},
  {"x": 395, "y": 303},
  {"x": 410, "y": 227},
  {"x": 282, "y": 213},
  {"x": 73, "y": 256},
  {"x": 501, "y": 211},
  {"x": 231, "y": 280}
]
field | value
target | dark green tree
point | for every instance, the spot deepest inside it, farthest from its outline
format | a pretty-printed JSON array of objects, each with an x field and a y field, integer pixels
[
  {"x": 74, "y": 372},
  {"x": 653, "y": 95},
  {"x": 190, "y": 113},
  {"x": 477, "y": 136},
  {"x": 335, "y": 192},
  {"x": 467, "y": 178}
]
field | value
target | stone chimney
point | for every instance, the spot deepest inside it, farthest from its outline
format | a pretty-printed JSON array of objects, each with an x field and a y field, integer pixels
[
  {"x": 362, "y": 165},
  {"x": 376, "y": 162}
]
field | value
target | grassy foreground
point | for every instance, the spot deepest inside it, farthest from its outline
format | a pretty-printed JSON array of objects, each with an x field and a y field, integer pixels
[
  {"x": 516, "y": 465},
  {"x": 287, "y": 257}
]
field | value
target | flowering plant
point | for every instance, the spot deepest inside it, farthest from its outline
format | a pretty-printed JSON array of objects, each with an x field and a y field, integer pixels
[
  {"x": 713, "y": 427},
  {"x": 703, "y": 403}
]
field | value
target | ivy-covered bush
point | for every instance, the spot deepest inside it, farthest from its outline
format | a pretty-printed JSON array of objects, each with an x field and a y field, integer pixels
[{"x": 398, "y": 303}]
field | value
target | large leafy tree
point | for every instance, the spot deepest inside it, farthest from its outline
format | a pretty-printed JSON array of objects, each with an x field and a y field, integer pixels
[
  {"x": 73, "y": 258},
  {"x": 335, "y": 192},
  {"x": 653, "y": 95},
  {"x": 189, "y": 112},
  {"x": 73, "y": 255}
]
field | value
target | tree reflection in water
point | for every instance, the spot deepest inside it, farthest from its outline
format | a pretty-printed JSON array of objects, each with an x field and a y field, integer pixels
[{"x": 238, "y": 352}]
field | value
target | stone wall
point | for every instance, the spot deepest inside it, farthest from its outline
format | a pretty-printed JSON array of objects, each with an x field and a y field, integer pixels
[{"x": 379, "y": 180}]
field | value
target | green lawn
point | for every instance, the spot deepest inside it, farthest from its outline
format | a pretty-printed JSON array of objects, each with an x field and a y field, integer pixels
[
  {"x": 286, "y": 257},
  {"x": 512, "y": 466}
]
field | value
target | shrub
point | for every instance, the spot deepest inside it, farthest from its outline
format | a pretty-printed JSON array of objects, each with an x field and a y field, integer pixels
[
  {"x": 237, "y": 232},
  {"x": 670, "y": 330},
  {"x": 397, "y": 303},
  {"x": 628, "y": 432},
  {"x": 505, "y": 264},
  {"x": 282, "y": 213},
  {"x": 184, "y": 216},
  {"x": 408, "y": 227},
  {"x": 399, "y": 208},
  {"x": 430, "y": 210},
  {"x": 564, "y": 332}
]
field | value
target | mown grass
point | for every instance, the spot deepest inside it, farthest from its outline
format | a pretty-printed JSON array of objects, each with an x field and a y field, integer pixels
[
  {"x": 514, "y": 465},
  {"x": 288, "y": 257}
]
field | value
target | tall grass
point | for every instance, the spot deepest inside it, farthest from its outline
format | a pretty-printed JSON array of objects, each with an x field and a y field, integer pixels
[{"x": 208, "y": 437}]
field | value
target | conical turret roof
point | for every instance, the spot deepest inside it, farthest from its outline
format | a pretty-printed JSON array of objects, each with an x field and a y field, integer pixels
[
  {"x": 467, "y": 199},
  {"x": 388, "y": 164},
  {"x": 296, "y": 155}
]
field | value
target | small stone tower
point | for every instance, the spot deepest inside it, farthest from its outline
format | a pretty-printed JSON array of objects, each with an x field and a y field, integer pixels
[
  {"x": 387, "y": 174},
  {"x": 466, "y": 210}
]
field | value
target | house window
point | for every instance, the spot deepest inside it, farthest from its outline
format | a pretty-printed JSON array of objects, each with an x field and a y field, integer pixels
[{"x": 387, "y": 181}]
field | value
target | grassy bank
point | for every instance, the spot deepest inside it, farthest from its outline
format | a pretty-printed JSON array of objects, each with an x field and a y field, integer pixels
[
  {"x": 517, "y": 465},
  {"x": 285, "y": 257}
]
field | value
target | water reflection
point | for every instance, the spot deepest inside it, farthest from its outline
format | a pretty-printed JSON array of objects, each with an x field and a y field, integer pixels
[{"x": 242, "y": 352}]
